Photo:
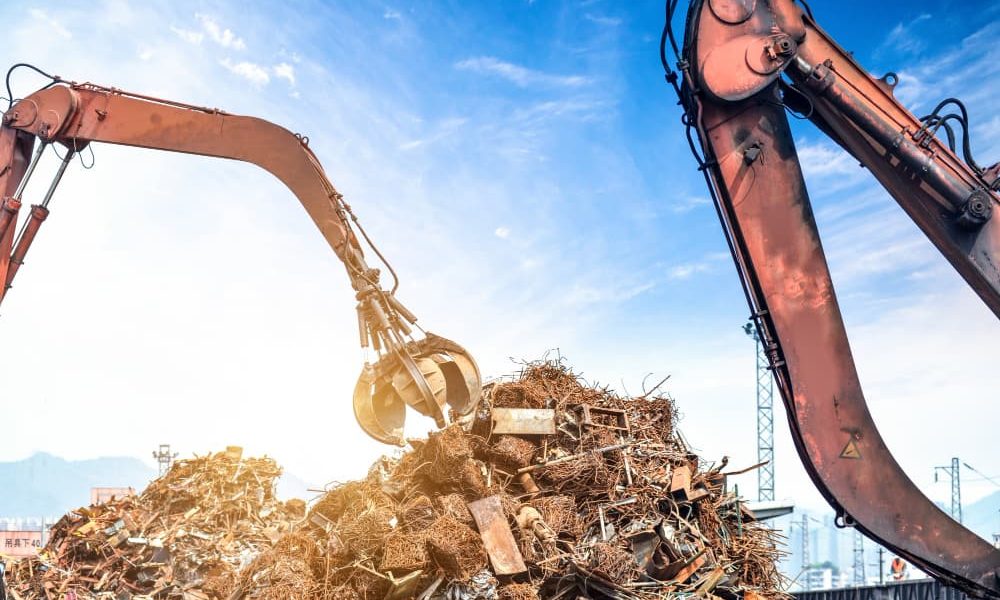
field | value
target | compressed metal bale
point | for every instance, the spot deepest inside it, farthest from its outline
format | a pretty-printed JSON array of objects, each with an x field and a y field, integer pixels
[
  {"x": 454, "y": 506},
  {"x": 404, "y": 553},
  {"x": 560, "y": 514},
  {"x": 456, "y": 548},
  {"x": 512, "y": 451},
  {"x": 417, "y": 513},
  {"x": 517, "y": 591}
]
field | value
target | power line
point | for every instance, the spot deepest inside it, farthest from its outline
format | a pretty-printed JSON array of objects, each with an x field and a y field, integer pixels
[
  {"x": 996, "y": 536},
  {"x": 980, "y": 473}
]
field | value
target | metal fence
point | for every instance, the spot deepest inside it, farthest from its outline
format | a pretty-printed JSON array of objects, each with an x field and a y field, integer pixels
[
  {"x": 921, "y": 589},
  {"x": 27, "y": 523}
]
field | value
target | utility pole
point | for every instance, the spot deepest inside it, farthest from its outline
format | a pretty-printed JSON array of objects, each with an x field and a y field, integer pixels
[
  {"x": 164, "y": 458},
  {"x": 881, "y": 565},
  {"x": 996, "y": 539},
  {"x": 765, "y": 418},
  {"x": 956, "y": 487},
  {"x": 859, "y": 558},
  {"x": 805, "y": 552}
]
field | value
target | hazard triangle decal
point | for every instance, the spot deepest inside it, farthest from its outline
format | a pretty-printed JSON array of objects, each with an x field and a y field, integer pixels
[{"x": 850, "y": 450}]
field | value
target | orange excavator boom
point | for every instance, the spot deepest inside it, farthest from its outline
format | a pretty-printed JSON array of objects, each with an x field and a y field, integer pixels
[
  {"x": 432, "y": 374},
  {"x": 742, "y": 65}
]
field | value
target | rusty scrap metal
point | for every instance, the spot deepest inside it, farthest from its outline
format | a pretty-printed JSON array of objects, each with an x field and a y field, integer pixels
[
  {"x": 195, "y": 526},
  {"x": 524, "y": 421},
  {"x": 446, "y": 519},
  {"x": 573, "y": 457},
  {"x": 497, "y": 536},
  {"x": 611, "y": 418}
]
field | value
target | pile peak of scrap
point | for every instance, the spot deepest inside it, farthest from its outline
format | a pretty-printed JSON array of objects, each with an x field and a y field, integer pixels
[{"x": 553, "y": 489}]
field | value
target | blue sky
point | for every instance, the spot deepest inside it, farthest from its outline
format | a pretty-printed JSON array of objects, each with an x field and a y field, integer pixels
[{"x": 523, "y": 166}]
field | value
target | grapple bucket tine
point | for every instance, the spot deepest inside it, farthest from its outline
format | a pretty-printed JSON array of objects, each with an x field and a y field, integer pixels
[
  {"x": 449, "y": 378},
  {"x": 378, "y": 410}
]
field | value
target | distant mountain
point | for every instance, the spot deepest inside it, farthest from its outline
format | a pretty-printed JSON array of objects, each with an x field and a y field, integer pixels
[
  {"x": 44, "y": 485},
  {"x": 983, "y": 516}
]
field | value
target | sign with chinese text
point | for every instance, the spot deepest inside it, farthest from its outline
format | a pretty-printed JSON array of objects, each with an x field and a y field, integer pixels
[{"x": 20, "y": 543}]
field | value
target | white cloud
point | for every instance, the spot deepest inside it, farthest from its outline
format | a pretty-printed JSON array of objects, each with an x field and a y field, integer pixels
[
  {"x": 912, "y": 88},
  {"x": 55, "y": 25},
  {"x": 687, "y": 204},
  {"x": 603, "y": 20},
  {"x": 290, "y": 55},
  {"x": 686, "y": 270},
  {"x": 531, "y": 262},
  {"x": 191, "y": 37},
  {"x": 706, "y": 264},
  {"x": 392, "y": 14},
  {"x": 442, "y": 129},
  {"x": 285, "y": 71},
  {"x": 412, "y": 144},
  {"x": 824, "y": 159},
  {"x": 220, "y": 35},
  {"x": 502, "y": 233},
  {"x": 902, "y": 39},
  {"x": 518, "y": 75},
  {"x": 988, "y": 129},
  {"x": 252, "y": 72},
  {"x": 584, "y": 294},
  {"x": 958, "y": 71}
]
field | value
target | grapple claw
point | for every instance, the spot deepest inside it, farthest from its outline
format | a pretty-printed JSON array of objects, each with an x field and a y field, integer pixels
[
  {"x": 378, "y": 410},
  {"x": 430, "y": 375}
]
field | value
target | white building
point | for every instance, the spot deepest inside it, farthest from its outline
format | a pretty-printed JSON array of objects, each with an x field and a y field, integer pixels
[{"x": 817, "y": 579}]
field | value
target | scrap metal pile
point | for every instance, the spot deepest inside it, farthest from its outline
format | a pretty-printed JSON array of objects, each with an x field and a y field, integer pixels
[
  {"x": 553, "y": 490},
  {"x": 185, "y": 537}
]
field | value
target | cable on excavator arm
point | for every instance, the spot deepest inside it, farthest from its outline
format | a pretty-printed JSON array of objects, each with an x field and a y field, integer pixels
[
  {"x": 743, "y": 62},
  {"x": 433, "y": 375}
]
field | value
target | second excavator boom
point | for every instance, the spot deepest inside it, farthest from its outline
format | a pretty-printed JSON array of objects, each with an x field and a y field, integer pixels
[{"x": 743, "y": 64}]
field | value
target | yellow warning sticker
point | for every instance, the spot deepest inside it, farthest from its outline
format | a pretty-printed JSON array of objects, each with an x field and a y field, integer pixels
[{"x": 850, "y": 450}]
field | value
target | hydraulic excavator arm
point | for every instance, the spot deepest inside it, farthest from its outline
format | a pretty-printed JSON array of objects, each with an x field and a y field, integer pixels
[
  {"x": 742, "y": 63},
  {"x": 431, "y": 374}
]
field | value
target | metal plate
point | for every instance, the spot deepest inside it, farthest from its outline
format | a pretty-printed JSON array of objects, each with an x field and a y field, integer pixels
[
  {"x": 524, "y": 421},
  {"x": 497, "y": 537}
]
